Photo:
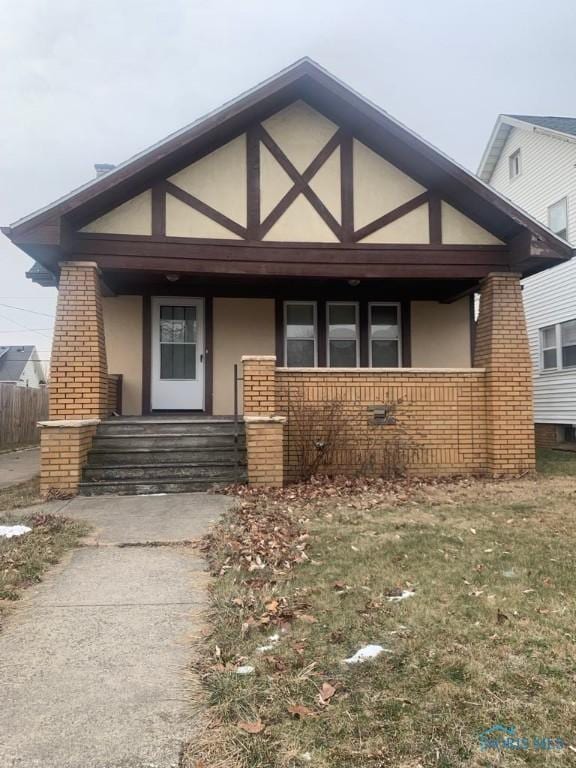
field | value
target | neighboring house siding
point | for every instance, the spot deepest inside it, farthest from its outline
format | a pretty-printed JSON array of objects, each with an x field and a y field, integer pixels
[{"x": 548, "y": 173}]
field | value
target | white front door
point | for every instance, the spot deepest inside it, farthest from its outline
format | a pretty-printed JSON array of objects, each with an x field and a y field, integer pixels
[{"x": 177, "y": 354}]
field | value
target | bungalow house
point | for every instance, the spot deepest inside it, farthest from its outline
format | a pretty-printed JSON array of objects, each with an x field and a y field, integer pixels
[{"x": 301, "y": 232}]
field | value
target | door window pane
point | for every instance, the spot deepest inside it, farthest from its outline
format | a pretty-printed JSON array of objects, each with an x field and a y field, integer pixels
[
  {"x": 300, "y": 331},
  {"x": 178, "y": 333},
  {"x": 342, "y": 335},
  {"x": 384, "y": 335}
]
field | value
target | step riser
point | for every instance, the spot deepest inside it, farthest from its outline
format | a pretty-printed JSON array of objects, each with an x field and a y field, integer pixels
[
  {"x": 167, "y": 441},
  {"x": 168, "y": 472},
  {"x": 172, "y": 458},
  {"x": 146, "y": 488},
  {"x": 169, "y": 428}
]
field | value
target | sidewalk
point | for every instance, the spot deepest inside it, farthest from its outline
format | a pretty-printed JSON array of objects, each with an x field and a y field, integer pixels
[{"x": 19, "y": 466}]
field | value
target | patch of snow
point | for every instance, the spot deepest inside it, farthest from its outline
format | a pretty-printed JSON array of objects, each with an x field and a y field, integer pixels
[
  {"x": 272, "y": 640},
  {"x": 405, "y": 593},
  {"x": 247, "y": 669},
  {"x": 366, "y": 653},
  {"x": 9, "y": 531}
]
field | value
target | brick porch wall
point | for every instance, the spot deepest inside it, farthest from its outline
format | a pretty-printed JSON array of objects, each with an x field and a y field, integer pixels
[
  {"x": 64, "y": 447},
  {"x": 471, "y": 421}
]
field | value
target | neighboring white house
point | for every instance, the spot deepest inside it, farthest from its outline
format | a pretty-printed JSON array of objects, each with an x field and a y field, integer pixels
[
  {"x": 532, "y": 160},
  {"x": 21, "y": 366}
]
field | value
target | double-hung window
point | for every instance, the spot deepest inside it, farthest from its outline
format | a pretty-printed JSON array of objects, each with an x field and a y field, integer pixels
[
  {"x": 384, "y": 335},
  {"x": 558, "y": 218},
  {"x": 558, "y": 346},
  {"x": 300, "y": 336},
  {"x": 342, "y": 334}
]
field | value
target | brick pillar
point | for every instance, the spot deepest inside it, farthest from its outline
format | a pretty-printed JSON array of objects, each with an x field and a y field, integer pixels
[
  {"x": 502, "y": 349},
  {"x": 64, "y": 446},
  {"x": 259, "y": 379},
  {"x": 78, "y": 372},
  {"x": 264, "y": 430}
]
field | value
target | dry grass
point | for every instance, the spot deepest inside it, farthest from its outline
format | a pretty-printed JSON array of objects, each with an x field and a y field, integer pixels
[
  {"x": 24, "y": 559},
  {"x": 21, "y": 495},
  {"x": 488, "y": 637}
]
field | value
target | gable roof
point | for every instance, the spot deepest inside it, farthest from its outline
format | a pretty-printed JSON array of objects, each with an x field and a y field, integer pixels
[
  {"x": 13, "y": 361},
  {"x": 559, "y": 127},
  {"x": 43, "y": 233}
]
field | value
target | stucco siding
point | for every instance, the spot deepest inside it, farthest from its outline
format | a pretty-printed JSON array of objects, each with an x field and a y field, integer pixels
[
  {"x": 123, "y": 334},
  {"x": 241, "y": 327},
  {"x": 440, "y": 334}
]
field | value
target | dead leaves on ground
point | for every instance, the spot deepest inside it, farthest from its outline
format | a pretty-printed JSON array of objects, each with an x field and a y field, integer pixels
[{"x": 253, "y": 727}]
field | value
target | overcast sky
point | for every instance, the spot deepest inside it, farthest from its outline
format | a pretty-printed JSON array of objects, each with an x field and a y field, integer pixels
[{"x": 88, "y": 81}]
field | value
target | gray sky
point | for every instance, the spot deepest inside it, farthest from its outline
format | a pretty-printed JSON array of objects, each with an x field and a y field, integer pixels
[{"x": 87, "y": 81}]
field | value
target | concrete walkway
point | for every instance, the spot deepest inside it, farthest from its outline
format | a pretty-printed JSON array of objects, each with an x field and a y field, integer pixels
[
  {"x": 19, "y": 466},
  {"x": 93, "y": 662}
]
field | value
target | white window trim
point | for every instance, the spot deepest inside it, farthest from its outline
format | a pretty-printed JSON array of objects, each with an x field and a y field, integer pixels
[
  {"x": 356, "y": 306},
  {"x": 517, "y": 153},
  {"x": 314, "y": 306},
  {"x": 399, "y": 315},
  {"x": 558, "y": 341},
  {"x": 563, "y": 200}
]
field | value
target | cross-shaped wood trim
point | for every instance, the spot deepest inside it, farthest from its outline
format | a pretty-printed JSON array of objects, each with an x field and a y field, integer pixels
[{"x": 301, "y": 182}]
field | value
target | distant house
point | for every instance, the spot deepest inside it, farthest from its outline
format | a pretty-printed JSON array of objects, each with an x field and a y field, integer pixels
[
  {"x": 21, "y": 366},
  {"x": 532, "y": 160}
]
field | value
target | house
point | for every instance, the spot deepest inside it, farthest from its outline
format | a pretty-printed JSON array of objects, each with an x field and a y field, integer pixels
[
  {"x": 304, "y": 234},
  {"x": 21, "y": 366},
  {"x": 532, "y": 161}
]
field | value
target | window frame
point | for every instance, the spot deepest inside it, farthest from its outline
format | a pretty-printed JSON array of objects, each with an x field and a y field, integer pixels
[
  {"x": 563, "y": 201},
  {"x": 356, "y": 306},
  {"x": 558, "y": 347},
  {"x": 398, "y": 306},
  {"x": 512, "y": 158},
  {"x": 541, "y": 330},
  {"x": 314, "y": 305}
]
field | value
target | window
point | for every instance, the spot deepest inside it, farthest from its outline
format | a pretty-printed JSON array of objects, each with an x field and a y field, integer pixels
[
  {"x": 558, "y": 218},
  {"x": 558, "y": 346},
  {"x": 514, "y": 167},
  {"x": 548, "y": 347},
  {"x": 384, "y": 322},
  {"x": 178, "y": 333},
  {"x": 568, "y": 342},
  {"x": 342, "y": 327},
  {"x": 300, "y": 334}
]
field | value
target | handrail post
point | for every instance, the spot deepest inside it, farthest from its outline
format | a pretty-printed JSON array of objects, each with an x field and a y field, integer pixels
[{"x": 236, "y": 453}]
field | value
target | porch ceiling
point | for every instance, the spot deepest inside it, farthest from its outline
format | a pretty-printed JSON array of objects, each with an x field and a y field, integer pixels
[{"x": 156, "y": 284}]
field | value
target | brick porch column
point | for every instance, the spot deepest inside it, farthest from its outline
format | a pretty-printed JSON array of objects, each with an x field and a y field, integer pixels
[
  {"x": 502, "y": 349},
  {"x": 264, "y": 430},
  {"x": 78, "y": 371},
  {"x": 78, "y": 379}
]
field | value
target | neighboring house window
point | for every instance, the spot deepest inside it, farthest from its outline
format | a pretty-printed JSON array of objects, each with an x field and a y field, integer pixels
[
  {"x": 548, "y": 347},
  {"x": 342, "y": 337},
  {"x": 558, "y": 346},
  {"x": 385, "y": 351},
  {"x": 558, "y": 218},
  {"x": 514, "y": 166},
  {"x": 300, "y": 334},
  {"x": 568, "y": 342}
]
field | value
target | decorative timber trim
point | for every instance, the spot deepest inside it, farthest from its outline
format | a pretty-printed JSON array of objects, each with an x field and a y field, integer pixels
[
  {"x": 391, "y": 216},
  {"x": 205, "y": 209}
]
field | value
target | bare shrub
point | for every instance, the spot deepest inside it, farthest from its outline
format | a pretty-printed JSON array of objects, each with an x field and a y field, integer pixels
[{"x": 316, "y": 428}]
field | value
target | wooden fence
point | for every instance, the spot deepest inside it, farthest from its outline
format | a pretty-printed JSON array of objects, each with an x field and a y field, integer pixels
[{"x": 20, "y": 410}]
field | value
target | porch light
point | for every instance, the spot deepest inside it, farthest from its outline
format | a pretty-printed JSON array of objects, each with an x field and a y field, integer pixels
[
  {"x": 172, "y": 278},
  {"x": 353, "y": 283}
]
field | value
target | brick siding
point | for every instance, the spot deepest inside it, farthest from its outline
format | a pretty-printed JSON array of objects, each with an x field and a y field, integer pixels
[
  {"x": 546, "y": 435},
  {"x": 64, "y": 447}
]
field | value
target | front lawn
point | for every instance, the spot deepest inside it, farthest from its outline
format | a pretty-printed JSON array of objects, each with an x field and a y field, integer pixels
[
  {"x": 488, "y": 637},
  {"x": 24, "y": 559}
]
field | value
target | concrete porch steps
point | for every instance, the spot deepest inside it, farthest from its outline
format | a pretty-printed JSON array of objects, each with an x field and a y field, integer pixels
[{"x": 164, "y": 454}]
